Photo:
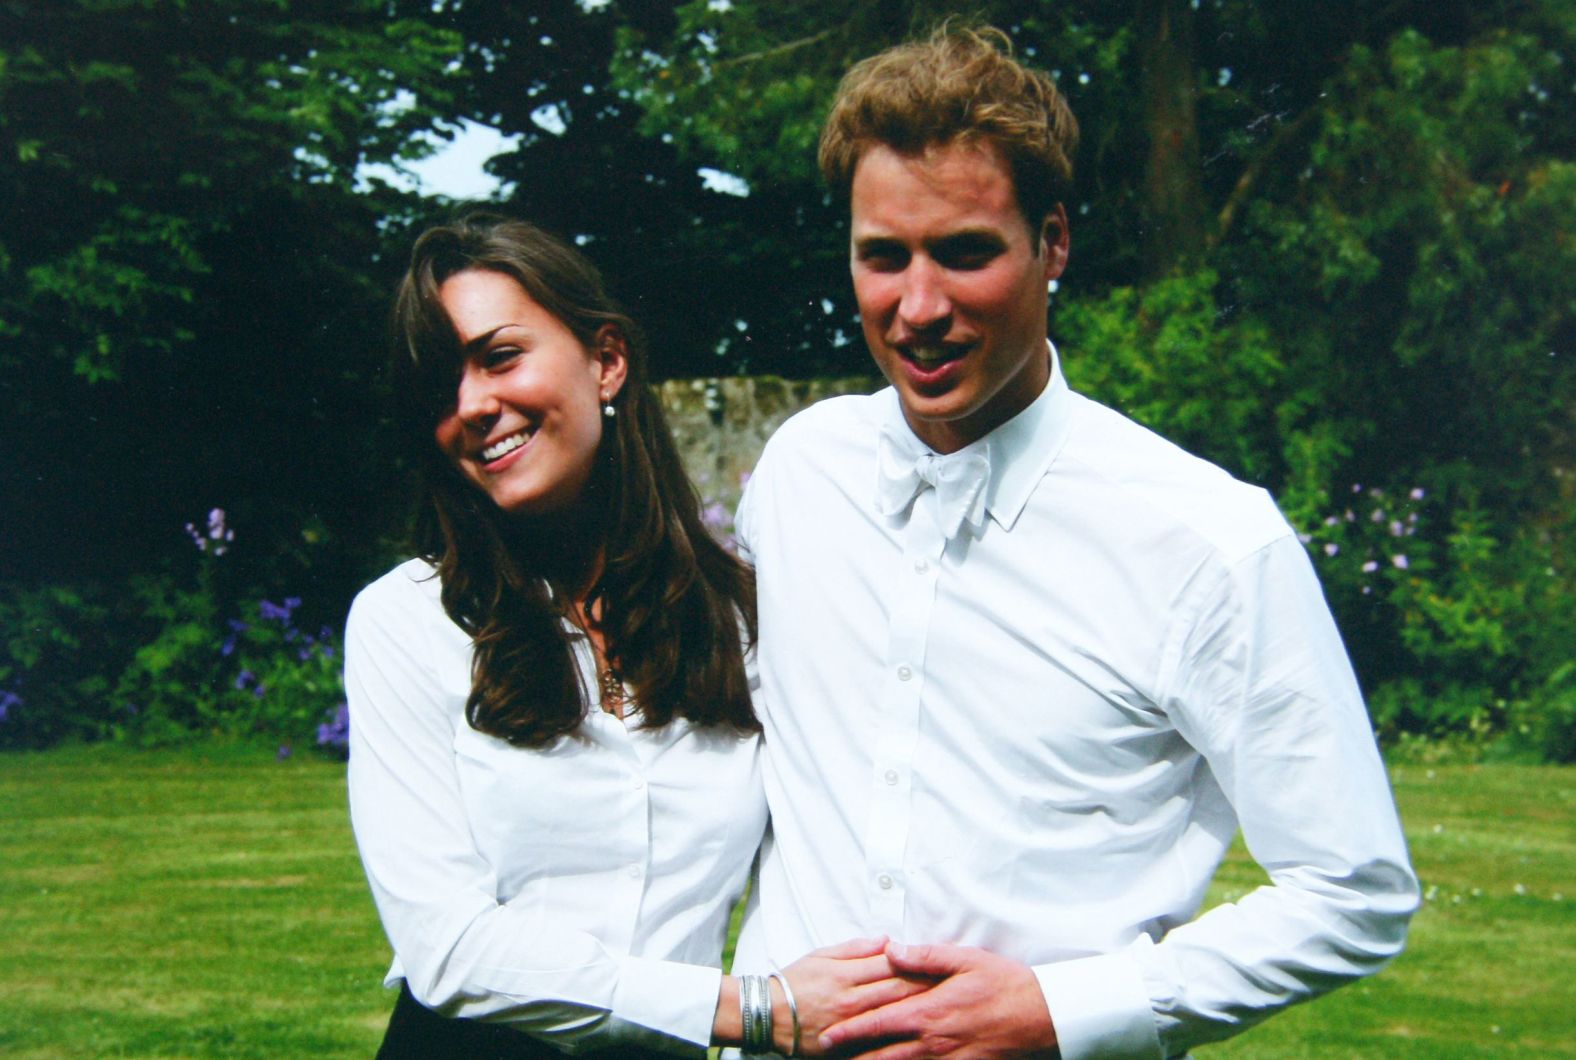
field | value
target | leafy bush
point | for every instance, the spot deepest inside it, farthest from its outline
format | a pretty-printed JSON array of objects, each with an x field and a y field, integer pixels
[
  {"x": 59, "y": 647},
  {"x": 169, "y": 658}
]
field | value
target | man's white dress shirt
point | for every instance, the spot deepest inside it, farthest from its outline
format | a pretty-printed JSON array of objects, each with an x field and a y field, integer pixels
[
  {"x": 1040, "y": 735},
  {"x": 581, "y": 891}
]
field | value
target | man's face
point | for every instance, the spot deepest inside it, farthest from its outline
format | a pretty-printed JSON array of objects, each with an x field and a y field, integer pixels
[{"x": 951, "y": 285}]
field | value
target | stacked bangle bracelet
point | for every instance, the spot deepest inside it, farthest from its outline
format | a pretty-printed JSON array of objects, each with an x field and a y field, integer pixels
[{"x": 755, "y": 1009}]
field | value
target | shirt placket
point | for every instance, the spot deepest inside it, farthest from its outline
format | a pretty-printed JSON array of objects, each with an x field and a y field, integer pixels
[
  {"x": 629, "y": 830},
  {"x": 892, "y": 775}
]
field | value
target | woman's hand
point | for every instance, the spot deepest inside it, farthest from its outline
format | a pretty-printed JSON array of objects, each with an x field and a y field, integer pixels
[{"x": 833, "y": 984}]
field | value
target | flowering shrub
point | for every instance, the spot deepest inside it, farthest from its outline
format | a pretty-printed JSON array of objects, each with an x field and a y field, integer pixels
[
  {"x": 1454, "y": 626},
  {"x": 169, "y": 659}
]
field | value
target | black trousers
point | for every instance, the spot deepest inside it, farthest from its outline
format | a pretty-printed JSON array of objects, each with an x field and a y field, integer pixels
[{"x": 415, "y": 1032}]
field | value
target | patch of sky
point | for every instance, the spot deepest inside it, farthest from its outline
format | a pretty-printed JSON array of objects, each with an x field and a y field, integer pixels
[
  {"x": 722, "y": 182},
  {"x": 549, "y": 117},
  {"x": 454, "y": 170}
]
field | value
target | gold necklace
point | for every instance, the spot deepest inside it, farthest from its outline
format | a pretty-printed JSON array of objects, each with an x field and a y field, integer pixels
[{"x": 612, "y": 691}]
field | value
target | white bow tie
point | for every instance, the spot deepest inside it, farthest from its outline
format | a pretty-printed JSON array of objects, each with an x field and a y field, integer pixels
[{"x": 903, "y": 470}]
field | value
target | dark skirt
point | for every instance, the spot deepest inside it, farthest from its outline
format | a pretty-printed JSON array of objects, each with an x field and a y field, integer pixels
[{"x": 416, "y": 1032}]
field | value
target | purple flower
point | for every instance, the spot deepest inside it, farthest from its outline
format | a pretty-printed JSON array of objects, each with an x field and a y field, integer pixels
[
  {"x": 244, "y": 680},
  {"x": 304, "y": 654},
  {"x": 1371, "y": 566},
  {"x": 1378, "y": 515},
  {"x": 269, "y": 609},
  {"x": 1357, "y": 487},
  {"x": 1400, "y": 561},
  {"x": 336, "y": 731},
  {"x": 1397, "y": 528},
  {"x": 284, "y": 752},
  {"x": 8, "y": 700},
  {"x": 714, "y": 515},
  {"x": 328, "y": 651},
  {"x": 1331, "y": 548},
  {"x": 218, "y": 533},
  {"x": 237, "y": 627},
  {"x": 1417, "y": 493}
]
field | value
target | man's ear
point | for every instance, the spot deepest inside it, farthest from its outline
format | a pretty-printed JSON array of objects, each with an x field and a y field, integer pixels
[
  {"x": 1055, "y": 241},
  {"x": 612, "y": 356}
]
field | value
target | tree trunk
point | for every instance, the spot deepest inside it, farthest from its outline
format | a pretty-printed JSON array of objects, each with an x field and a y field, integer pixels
[{"x": 1175, "y": 217}]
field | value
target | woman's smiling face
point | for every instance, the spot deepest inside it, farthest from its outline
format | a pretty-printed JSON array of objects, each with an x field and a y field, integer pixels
[{"x": 526, "y": 420}]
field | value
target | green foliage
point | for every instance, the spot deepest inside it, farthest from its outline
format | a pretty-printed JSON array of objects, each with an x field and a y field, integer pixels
[
  {"x": 1168, "y": 357},
  {"x": 171, "y": 657},
  {"x": 57, "y": 647},
  {"x": 171, "y": 686},
  {"x": 204, "y": 673},
  {"x": 229, "y": 101}
]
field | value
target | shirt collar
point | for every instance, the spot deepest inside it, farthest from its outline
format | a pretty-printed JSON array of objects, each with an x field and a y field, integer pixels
[{"x": 1021, "y": 450}]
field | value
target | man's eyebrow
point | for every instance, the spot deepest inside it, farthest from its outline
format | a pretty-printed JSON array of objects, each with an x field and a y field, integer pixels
[
  {"x": 875, "y": 240},
  {"x": 969, "y": 235}
]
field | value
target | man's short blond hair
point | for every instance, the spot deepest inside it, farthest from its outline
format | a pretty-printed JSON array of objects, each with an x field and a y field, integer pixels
[{"x": 959, "y": 85}]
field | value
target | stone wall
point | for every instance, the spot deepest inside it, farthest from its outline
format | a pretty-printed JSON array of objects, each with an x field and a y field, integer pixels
[{"x": 721, "y": 426}]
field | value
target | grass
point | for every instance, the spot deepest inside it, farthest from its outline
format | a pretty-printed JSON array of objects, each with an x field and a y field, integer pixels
[{"x": 208, "y": 902}]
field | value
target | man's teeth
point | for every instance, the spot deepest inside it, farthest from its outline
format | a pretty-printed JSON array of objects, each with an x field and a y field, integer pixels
[
  {"x": 930, "y": 356},
  {"x": 504, "y": 446}
]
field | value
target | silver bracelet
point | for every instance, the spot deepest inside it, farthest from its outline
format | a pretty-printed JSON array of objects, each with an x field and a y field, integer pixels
[
  {"x": 755, "y": 1009},
  {"x": 793, "y": 1009}
]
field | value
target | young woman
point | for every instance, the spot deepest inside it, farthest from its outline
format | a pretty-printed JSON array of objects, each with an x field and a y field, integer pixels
[{"x": 553, "y": 771}]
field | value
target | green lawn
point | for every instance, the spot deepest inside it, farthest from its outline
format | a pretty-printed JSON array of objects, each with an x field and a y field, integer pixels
[{"x": 209, "y": 902}]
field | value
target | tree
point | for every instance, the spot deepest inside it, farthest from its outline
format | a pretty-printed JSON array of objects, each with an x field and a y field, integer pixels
[{"x": 190, "y": 288}]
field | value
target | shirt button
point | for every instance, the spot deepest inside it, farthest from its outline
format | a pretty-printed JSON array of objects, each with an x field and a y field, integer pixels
[
  {"x": 891, "y": 776},
  {"x": 639, "y": 783},
  {"x": 634, "y": 872},
  {"x": 921, "y": 566},
  {"x": 884, "y": 881},
  {"x": 904, "y": 673}
]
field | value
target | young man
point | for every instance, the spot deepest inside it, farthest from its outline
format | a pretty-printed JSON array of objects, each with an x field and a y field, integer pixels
[{"x": 1026, "y": 667}]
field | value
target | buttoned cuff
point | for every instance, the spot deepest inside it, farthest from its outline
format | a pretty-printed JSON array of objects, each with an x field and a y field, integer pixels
[
  {"x": 675, "y": 1000},
  {"x": 1100, "y": 1008}
]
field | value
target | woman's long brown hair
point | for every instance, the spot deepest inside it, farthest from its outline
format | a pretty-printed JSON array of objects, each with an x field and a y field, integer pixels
[{"x": 672, "y": 602}]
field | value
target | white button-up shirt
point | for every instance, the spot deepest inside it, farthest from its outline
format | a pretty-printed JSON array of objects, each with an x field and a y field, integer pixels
[
  {"x": 580, "y": 892},
  {"x": 1040, "y": 735}
]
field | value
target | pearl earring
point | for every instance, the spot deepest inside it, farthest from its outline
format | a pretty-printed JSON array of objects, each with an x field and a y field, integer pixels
[{"x": 607, "y": 406}]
